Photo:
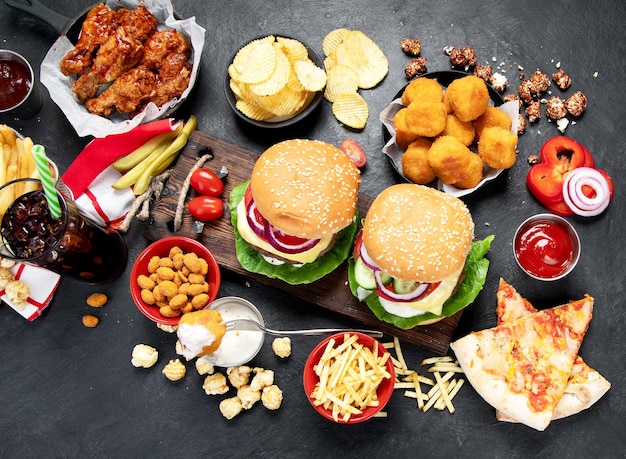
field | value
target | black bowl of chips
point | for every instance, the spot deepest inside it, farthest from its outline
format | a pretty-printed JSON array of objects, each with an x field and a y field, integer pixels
[{"x": 275, "y": 81}]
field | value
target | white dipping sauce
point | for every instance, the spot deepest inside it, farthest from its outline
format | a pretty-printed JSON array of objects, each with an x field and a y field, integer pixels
[{"x": 238, "y": 346}]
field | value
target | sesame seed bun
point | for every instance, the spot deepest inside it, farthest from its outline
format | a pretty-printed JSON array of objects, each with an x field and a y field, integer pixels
[
  {"x": 306, "y": 188},
  {"x": 417, "y": 233}
]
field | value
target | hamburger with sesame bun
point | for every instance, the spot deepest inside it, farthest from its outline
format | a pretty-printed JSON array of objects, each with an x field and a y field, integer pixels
[
  {"x": 295, "y": 219},
  {"x": 415, "y": 260}
]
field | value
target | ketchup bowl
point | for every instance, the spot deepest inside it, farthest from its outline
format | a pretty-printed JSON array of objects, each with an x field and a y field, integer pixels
[{"x": 546, "y": 247}]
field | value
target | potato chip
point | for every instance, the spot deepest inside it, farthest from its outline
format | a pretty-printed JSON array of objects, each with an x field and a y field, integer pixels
[
  {"x": 310, "y": 75},
  {"x": 286, "y": 103},
  {"x": 341, "y": 79},
  {"x": 351, "y": 110},
  {"x": 253, "y": 111},
  {"x": 279, "y": 78},
  {"x": 359, "y": 52},
  {"x": 259, "y": 64},
  {"x": 241, "y": 58},
  {"x": 294, "y": 49},
  {"x": 332, "y": 40}
]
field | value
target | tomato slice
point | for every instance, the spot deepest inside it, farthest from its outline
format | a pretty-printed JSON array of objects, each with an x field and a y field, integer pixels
[
  {"x": 279, "y": 235},
  {"x": 354, "y": 151},
  {"x": 356, "y": 253}
]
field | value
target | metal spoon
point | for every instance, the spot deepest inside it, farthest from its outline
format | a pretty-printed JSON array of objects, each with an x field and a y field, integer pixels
[{"x": 248, "y": 324}]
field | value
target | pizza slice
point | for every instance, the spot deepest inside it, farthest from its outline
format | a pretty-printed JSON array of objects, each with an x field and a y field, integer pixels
[
  {"x": 521, "y": 368},
  {"x": 585, "y": 385}
]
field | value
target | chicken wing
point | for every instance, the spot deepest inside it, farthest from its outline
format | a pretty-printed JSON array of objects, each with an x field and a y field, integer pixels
[
  {"x": 127, "y": 93},
  {"x": 172, "y": 79},
  {"x": 162, "y": 43},
  {"x": 99, "y": 24},
  {"x": 139, "y": 22},
  {"x": 119, "y": 53}
]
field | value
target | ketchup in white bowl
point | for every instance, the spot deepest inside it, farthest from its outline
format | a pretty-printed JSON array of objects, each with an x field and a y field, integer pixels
[{"x": 546, "y": 247}]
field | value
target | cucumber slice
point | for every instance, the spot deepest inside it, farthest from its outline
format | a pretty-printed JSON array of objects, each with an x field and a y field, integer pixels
[
  {"x": 364, "y": 275},
  {"x": 403, "y": 287}
]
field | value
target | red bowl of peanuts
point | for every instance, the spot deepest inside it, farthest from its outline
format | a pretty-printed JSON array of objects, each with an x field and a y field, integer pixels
[{"x": 173, "y": 276}]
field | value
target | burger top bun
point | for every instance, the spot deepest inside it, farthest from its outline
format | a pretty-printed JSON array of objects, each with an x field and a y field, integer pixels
[
  {"x": 306, "y": 188},
  {"x": 417, "y": 233}
]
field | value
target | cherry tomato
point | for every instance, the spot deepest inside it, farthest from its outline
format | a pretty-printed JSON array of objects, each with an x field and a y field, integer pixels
[
  {"x": 205, "y": 208},
  {"x": 206, "y": 182},
  {"x": 354, "y": 151}
]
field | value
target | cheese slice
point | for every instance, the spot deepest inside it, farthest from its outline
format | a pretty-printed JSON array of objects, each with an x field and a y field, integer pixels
[{"x": 251, "y": 237}]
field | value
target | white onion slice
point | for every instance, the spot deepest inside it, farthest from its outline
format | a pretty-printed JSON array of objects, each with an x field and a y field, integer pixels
[
  {"x": 404, "y": 297},
  {"x": 575, "y": 198}
]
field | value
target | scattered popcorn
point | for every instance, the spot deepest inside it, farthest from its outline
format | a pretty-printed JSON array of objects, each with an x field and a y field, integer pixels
[
  {"x": 248, "y": 396},
  {"x": 230, "y": 407},
  {"x": 144, "y": 356},
  {"x": 175, "y": 370},
  {"x": 215, "y": 384},
  {"x": 262, "y": 378},
  {"x": 272, "y": 397},
  {"x": 282, "y": 347},
  {"x": 204, "y": 367},
  {"x": 239, "y": 376},
  {"x": 17, "y": 292}
]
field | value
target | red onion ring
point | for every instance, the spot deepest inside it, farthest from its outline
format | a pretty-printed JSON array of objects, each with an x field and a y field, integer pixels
[
  {"x": 575, "y": 198},
  {"x": 415, "y": 295},
  {"x": 272, "y": 234},
  {"x": 258, "y": 228},
  {"x": 367, "y": 260}
]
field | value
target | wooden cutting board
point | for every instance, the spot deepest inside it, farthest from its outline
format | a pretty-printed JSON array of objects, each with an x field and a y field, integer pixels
[{"x": 331, "y": 292}]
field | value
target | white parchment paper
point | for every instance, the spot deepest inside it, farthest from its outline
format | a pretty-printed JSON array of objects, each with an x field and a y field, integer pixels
[{"x": 85, "y": 123}]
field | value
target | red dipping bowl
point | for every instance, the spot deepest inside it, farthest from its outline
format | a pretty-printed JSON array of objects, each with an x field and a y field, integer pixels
[
  {"x": 162, "y": 248},
  {"x": 310, "y": 378}
]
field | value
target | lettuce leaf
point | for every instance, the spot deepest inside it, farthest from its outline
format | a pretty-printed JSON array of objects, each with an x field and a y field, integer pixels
[
  {"x": 476, "y": 267},
  {"x": 252, "y": 260}
]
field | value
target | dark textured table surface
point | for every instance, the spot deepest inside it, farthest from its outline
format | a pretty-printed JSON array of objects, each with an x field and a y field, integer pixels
[{"x": 70, "y": 391}]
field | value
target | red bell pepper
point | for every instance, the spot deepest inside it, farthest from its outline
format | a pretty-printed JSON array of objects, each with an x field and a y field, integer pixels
[{"x": 559, "y": 155}]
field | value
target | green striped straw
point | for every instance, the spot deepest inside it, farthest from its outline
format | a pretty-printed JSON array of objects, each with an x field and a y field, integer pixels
[{"x": 43, "y": 167}]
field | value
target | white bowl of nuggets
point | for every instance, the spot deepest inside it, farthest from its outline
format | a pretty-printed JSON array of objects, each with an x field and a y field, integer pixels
[{"x": 133, "y": 62}]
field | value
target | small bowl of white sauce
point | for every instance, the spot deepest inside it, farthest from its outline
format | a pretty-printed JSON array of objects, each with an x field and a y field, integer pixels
[{"x": 238, "y": 347}]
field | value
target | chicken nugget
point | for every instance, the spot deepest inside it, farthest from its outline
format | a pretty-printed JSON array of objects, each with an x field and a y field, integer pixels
[
  {"x": 462, "y": 130},
  {"x": 492, "y": 117},
  {"x": 415, "y": 165},
  {"x": 145, "y": 282},
  {"x": 449, "y": 158},
  {"x": 426, "y": 117},
  {"x": 473, "y": 173},
  {"x": 468, "y": 97},
  {"x": 422, "y": 89},
  {"x": 192, "y": 262},
  {"x": 403, "y": 135},
  {"x": 497, "y": 147}
]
